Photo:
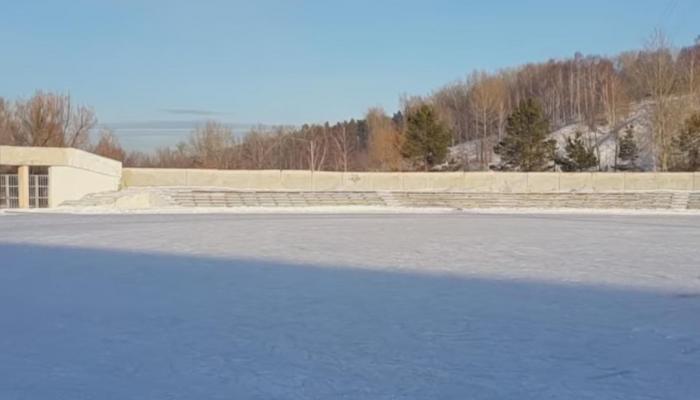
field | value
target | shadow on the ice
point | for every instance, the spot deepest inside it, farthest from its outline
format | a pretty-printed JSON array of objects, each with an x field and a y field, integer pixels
[{"x": 86, "y": 323}]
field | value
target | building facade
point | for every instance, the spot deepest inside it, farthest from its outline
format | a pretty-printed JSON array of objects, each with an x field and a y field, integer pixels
[{"x": 43, "y": 177}]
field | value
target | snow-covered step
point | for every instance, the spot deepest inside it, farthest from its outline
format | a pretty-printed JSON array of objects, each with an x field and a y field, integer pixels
[
  {"x": 650, "y": 200},
  {"x": 195, "y": 197},
  {"x": 224, "y": 198},
  {"x": 680, "y": 201},
  {"x": 694, "y": 201}
]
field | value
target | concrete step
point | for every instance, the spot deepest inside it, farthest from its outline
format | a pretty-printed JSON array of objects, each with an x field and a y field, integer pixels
[
  {"x": 184, "y": 197},
  {"x": 680, "y": 201},
  {"x": 650, "y": 200},
  {"x": 274, "y": 199},
  {"x": 694, "y": 201}
]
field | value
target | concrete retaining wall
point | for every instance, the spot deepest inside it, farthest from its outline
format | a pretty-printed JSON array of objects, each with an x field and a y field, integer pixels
[{"x": 490, "y": 182}]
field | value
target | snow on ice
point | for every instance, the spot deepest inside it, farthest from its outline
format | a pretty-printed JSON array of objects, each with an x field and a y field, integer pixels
[{"x": 442, "y": 306}]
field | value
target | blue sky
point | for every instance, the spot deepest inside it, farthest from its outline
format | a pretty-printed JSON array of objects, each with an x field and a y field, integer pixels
[{"x": 139, "y": 63}]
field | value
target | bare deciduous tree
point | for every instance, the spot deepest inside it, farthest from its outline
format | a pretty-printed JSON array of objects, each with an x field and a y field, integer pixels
[
  {"x": 51, "y": 120},
  {"x": 257, "y": 149},
  {"x": 385, "y": 141},
  {"x": 655, "y": 73},
  {"x": 689, "y": 60},
  {"x": 177, "y": 157},
  {"x": 210, "y": 144},
  {"x": 315, "y": 145},
  {"x": 8, "y": 126},
  {"x": 486, "y": 99},
  {"x": 138, "y": 159},
  {"x": 108, "y": 146},
  {"x": 345, "y": 145}
]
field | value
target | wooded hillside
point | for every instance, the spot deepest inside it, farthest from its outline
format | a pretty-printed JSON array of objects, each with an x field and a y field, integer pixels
[{"x": 593, "y": 96}]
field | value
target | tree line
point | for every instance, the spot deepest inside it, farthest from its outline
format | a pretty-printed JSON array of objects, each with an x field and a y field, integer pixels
[
  {"x": 526, "y": 145},
  {"x": 482, "y": 111}
]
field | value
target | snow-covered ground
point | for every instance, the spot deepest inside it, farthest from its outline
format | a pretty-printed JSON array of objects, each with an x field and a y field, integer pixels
[
  {"x": 344, "y": 210},
  {"x": 442, "y": 306}
]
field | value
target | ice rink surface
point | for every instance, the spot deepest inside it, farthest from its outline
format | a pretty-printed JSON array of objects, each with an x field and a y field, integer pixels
[{"x": 445, "y": 306}]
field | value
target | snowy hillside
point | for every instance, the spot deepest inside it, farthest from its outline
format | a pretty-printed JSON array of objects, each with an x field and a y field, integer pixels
[
  {"x": 639, "y": 119},
  {"x": 605, "y": 137}
]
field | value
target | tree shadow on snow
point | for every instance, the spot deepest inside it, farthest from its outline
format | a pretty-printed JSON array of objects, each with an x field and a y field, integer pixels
[{"x": 100, "y": 324}]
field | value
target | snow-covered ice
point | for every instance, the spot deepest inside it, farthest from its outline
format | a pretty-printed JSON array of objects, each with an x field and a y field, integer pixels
[{"x": 441, "y": 306}]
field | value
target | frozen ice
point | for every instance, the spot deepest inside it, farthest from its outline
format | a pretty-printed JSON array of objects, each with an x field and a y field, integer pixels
[{"x": 441, "y": 306}]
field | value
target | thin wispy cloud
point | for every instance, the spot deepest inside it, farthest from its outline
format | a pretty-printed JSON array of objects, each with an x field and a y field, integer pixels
[
  {"x": 151, "y": 134},
  {"x": 190, "y": 111},
  {"x": 174, "y": 126}
]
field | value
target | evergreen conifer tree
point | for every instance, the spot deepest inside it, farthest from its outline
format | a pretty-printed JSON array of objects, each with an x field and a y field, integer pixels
[
  {"x": 628, "y": 151},
  {"x": 687, "y": 146},
  {"x": 526, "y": 145},
  {"x": 427, "y": 138},
  {"x": 579, "y": 155}
]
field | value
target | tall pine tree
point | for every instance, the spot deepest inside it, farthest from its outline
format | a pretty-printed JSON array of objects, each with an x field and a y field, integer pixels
[
  {"x": 687, "y": 146},
  {"x": 580, "y": 156},
  {"x": 628, "y": 152},
  {"x": 526, "y": 145},
  {"x": 427, "y": 138}
]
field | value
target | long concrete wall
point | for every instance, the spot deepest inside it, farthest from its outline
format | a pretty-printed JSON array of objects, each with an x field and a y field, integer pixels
[{"x": 495, "y": 182}]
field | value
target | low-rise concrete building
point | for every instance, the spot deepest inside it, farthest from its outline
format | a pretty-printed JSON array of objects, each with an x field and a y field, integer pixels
[{"x": 40, "y": 177}]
